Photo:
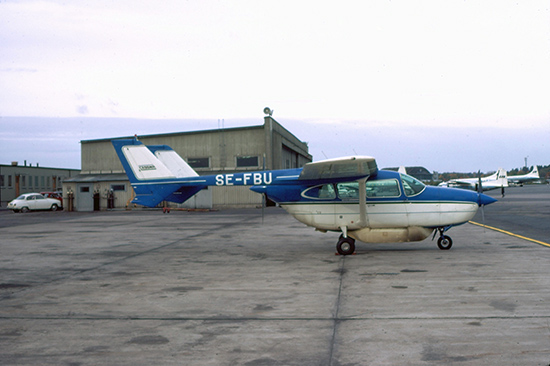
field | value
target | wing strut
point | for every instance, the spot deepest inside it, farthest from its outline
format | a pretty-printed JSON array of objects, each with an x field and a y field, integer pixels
[{"x": 363, "y": 221}]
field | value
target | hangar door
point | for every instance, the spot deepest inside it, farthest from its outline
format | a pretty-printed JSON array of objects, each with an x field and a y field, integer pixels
[{"x": 84, "y": 198}]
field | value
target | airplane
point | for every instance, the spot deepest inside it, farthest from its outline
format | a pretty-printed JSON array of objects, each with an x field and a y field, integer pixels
[
  {"x": 533, "y": 175},
  {"x": 348, "y": 195},
  {"x": 497, "y": 180}
]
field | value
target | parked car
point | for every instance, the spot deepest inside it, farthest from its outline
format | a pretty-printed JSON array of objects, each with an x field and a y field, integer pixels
[
  {"x": 56, "y": 195},
  {"x": 33, "y": 201}
]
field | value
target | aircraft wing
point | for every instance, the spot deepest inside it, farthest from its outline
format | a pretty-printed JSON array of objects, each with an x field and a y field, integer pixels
[
  {"x": 354, "y": 167},
  {"x": 465, "y": 182}
]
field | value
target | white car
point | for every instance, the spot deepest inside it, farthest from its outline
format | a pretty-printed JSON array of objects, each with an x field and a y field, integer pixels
[{"x": 33, "y": 201}]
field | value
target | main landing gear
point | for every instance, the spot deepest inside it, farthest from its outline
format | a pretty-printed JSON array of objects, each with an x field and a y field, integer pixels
[
  {"x": 345, "y": 245},
  {"x": 444, "y": 242}
]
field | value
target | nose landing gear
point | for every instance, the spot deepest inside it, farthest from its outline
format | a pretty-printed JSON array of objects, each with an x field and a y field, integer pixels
[{"x": 444, "y": 242}]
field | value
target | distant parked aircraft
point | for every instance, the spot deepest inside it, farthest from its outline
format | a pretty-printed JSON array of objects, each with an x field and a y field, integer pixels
[
  {"x": 532, "y": 176},
  {"x": 497, "y": 180}
]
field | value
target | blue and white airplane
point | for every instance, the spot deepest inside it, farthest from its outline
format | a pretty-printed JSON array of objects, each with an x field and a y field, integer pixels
[{"x": 347, "y": 195}]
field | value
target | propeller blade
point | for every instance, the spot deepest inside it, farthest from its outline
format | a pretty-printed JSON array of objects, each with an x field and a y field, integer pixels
[
  {"x": 479, "y": 185},
  {"x": 479, "y": 188}
]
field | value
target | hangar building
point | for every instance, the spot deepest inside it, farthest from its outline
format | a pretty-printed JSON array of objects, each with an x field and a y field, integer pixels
[{"x": 103, "y": 183}]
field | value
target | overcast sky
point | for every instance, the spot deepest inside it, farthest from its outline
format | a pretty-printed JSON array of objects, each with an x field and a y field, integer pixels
[{"x": 451, "y": 85}]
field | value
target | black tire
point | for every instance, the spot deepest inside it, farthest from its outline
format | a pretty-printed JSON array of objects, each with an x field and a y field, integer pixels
[
  {"x": 24, "y": 209},
  {"x": 345, "y": 246},
  {"x": 445, "y": 242},
  {"x": 54, "y": 207}
]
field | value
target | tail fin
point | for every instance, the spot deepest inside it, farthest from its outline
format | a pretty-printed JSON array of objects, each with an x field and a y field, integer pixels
[
  {"x": 502, "y": 179},
  {"x": 172, "y": 161},
  {"x": 139, "y": 162},
  {"x": 153, "y": 172}
]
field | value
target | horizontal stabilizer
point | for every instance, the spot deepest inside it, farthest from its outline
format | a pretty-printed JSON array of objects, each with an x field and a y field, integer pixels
[
  {"x": 184, "y": 193},
  {"x": 151, "y": 195}
]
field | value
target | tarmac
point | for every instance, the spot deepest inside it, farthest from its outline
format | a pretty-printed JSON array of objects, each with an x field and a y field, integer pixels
[{"x": 237, "y": 287}]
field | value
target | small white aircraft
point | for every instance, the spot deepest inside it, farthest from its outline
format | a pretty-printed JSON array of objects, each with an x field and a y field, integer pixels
[
  {"x": 497, "y": 180},
  {"x": 346, "y": 195},
  {"x": 532, "y": 176}
]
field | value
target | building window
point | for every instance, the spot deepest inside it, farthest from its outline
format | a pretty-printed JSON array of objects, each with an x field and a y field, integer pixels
[
  {"x": 199, "y": 162},
  {"x": 118, "y": 187},
  {"x": 42, "y": 181},
  {"x": 1, "y": 180},
  {"x": 247, "y": 161},
  {"x": 23, "y": 181},
  {"x": 9, "y": 180},
  {"x": 36, "y": 181}
]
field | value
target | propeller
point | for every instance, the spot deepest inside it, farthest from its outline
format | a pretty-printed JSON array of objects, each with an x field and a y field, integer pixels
[{"x": 479, "y": 193}]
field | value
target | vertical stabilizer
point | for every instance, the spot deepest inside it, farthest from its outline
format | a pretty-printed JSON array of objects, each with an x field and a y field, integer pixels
[
  {"x": 154, "y": 171},
  {"x": 139, "y": 162},
  {"x": 173, "y": 161},
  {"x": 502, "y": 179}
]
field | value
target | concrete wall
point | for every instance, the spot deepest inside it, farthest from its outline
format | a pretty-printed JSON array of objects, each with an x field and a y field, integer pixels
[
  {"x": 235, "y": 197},
  {"x": 84, "y": 200}
]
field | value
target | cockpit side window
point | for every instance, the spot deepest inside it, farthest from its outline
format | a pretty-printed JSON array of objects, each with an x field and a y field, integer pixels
[
  {"x": 383, "y": 188},
  {"x": 348, "y": 190},
  {"x": 320, "y": 192},
  {"x": 411, "y": 185},
  {"x": 380, "y": 188}
]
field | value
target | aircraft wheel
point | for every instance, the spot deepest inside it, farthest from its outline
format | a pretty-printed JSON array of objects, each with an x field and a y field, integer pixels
[
  {"x": 445, "y": 242},
  {"x": 345, "y": 246}
]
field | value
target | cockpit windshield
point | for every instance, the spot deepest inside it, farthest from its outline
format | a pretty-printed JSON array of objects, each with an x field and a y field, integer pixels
[{"x": 411, "y": 185}]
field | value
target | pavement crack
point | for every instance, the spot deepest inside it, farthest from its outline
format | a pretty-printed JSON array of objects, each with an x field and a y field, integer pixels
[{"x": 336, "y": 318}]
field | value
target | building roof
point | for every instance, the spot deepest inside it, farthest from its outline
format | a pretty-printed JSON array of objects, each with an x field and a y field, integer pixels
[
  {"x": 170, "y": 134},
  {"x": 93, "y": 178}
]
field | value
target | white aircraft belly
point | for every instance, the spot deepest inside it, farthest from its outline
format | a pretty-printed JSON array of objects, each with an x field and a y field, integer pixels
[{"x": 333, "y": 216}]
